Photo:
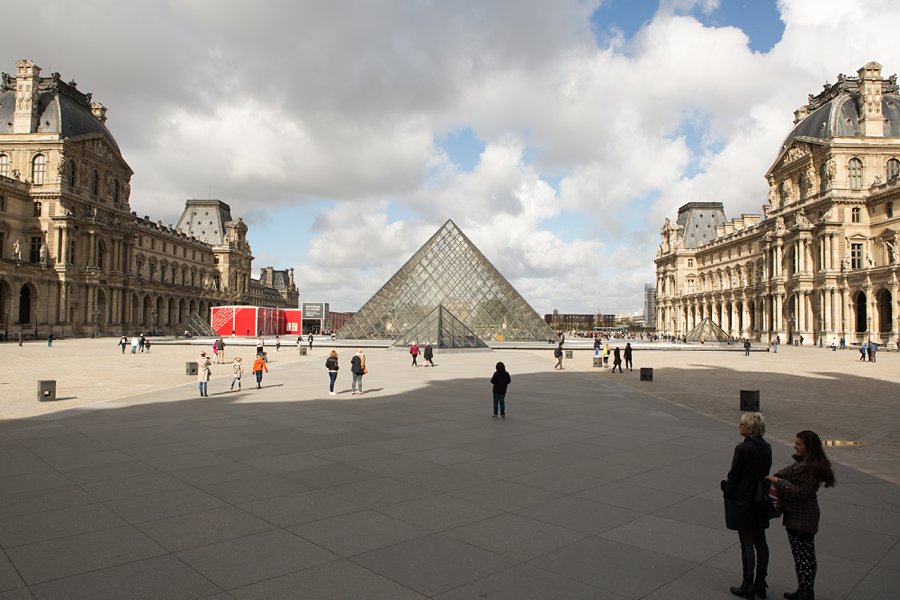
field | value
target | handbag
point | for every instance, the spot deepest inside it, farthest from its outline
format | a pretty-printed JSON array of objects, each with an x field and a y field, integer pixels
[{"x": 766, "y": 500}]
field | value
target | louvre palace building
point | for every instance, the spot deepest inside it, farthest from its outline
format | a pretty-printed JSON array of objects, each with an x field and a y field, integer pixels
[
  {"x": 74, "y": 258},
  {"x": 822, "y": 262}
]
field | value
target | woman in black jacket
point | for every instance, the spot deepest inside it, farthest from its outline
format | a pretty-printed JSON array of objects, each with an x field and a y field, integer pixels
[
  {"x": 749, "y": 467},
  {"x": 797, "y": 486}
]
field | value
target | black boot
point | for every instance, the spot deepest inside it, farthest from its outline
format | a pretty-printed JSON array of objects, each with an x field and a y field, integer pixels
[
  {"x": 792, "y": 595},
  {"x": 806, "y": 595},
  {"x": 759, "y": 588},
  {"x": 744, "y": 591}
]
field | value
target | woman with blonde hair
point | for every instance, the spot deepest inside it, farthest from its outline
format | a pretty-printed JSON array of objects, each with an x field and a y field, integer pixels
[
  {"x": 331, "y": 363},
  {"x": 749, "y": 467},
  {"x": 358, "y": 369}
]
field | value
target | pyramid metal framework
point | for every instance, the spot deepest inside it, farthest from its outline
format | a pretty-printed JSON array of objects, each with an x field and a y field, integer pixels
[
  {"x": 442, "y": 330},
  {"x": 448, "y": 271},
  {"x": 707, "y": 331}
]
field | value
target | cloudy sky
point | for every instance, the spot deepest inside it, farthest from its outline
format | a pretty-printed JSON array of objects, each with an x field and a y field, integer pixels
[{"x": 558, "y": 134}]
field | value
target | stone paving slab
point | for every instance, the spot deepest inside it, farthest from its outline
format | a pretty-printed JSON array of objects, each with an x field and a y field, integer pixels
[{"x": 597, "y": 485}]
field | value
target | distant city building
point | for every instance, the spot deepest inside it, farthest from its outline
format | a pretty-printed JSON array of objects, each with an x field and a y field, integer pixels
[
  {"x": 73, "y": 257},
  {"x": 823, "y": 262},
  {"x": 650, "y": 306}
]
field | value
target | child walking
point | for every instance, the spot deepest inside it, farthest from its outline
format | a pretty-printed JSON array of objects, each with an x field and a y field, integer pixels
[
  {"x": 237, "y": 370},
  {"x": 259, "y": 365}
]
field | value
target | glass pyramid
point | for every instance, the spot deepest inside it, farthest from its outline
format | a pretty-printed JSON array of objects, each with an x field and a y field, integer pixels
[
  {"x": 707, "y": 331},
  {"x": 449, "y": 272},
  {"x": 442, "y": 330}
]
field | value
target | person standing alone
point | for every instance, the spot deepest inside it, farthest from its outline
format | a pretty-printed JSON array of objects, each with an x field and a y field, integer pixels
[
  {"x": 558, "y": 353},
  {"x": 500, "y": 381},
  {"x": 628, "y": 364}
]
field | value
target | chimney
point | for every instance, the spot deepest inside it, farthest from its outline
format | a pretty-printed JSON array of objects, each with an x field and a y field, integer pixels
[
  {"x": 25, "y": 118},
  {"x": 291, "y": 271},
  {"x": 871, "y": 119},
  {"x": 801, "y": 113},
  {"x": 99, "y": 111}
]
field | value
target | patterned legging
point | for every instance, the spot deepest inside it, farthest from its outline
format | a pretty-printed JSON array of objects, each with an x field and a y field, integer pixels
[{"x": 803, "y": 548}]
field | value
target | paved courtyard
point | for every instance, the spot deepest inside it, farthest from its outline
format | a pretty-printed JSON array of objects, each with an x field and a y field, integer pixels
[{"x": 597, "y": 486}]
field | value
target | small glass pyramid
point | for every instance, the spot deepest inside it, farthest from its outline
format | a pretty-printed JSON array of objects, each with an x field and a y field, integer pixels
[
  {"x": 448, "y": 272},
  {"x": 707, "y": 331}
]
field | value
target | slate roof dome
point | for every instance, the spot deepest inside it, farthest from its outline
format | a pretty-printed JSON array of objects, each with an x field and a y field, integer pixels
[
  {"x": 836, "y": 111},
  {"x": 61, "y": 109}
]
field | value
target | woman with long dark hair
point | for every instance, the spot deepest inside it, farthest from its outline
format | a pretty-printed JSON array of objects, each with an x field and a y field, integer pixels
[
  {"x": 798, "y": 485},
  {"x": 749, "y": 467}
]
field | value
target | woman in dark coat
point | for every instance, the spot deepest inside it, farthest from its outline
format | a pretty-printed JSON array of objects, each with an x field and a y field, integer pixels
[
  {"x": 797, "y": 486},
  {"x": 749, "y": 467},
  {"x": 500, "y": 381}
]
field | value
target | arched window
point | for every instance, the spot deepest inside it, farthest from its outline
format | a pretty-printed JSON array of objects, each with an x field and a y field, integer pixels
[
  {"x": 115, "y": 191},
  {"x": 893, "y": 169},
  {"x": 95, "y": 182},
  {"x": 70, "y": 173},
  {"x": 823, "y": 177},
  {"x": 39, "y": 169},
  {"x": 4, "y": 165},
  {"x": 855, "y": 168},
  {"x": 889, "y": 209}
]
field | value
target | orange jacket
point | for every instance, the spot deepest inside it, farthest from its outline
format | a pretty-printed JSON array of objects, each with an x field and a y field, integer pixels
[{"x": 260, "y": 365}]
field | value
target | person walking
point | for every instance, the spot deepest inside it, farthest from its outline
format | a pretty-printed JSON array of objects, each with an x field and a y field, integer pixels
[
  {"x": 310, "y": 340},
  {"x": 123, "y": 342},
  {"x": 260, "y": 345},
  {"x": 500, "y": 380},
  {"x": 873, "y": 348},
  {"x": 277, "y": 343},
  {"x": 220, "y": 351},
  {"x": 134, "y": 344},
  {"x": 862, "y": 352},
  {"x": 259, "y": 365},
  {"x": 617, "y": 360},
  {"x": 141, "y": 342},
  {"x": 558, "y": 353},
  {"x": 628, "y": 364},
  {"x": 331, "y": 363},
  {"x": 203, "y": 373},
  {"x": 750, "y": 465},
  {"x": 746, "y": 347},
  {"x": 797, "y": 486},
  {"x": 147, "y": 344},
  {"x": 606, "y": 356},
  {"x": 357, "y": 369},
  {"x": 597, "y": 346},
  {"x": 50, "y": 339},
  {"x": 237, "y": 370},
  {"x": 414, "y": 351},
  {"x": 428, "y": 354}
]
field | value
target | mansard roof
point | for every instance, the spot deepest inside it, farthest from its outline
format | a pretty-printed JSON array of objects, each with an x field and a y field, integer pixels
[{"x": 61, "y": 108}]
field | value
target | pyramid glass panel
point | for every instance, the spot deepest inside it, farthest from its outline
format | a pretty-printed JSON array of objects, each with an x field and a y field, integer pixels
[
  {"x": 448, "y": 272},
  {"x": 707, "y": 331}
]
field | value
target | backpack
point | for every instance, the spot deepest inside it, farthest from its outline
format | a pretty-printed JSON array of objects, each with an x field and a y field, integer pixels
[{"x": 557, "y": 353}]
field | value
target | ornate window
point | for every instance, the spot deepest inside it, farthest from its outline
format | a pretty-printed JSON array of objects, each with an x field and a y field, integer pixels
[
  {"x": 785, "y": 192},
  {"x": 37, "y": 209},
  {"x": 39, "y": 169},
  {"x": 855, "y": 214},
  {"x": 95, "y": 182},
  {"x": 34, "y": 254},
  {"x": 802, "y": 184},
  {"x": 855, "y": 168},
  {"x": 856, "y": 256},
  {"x": 101, "y": 254},
  {"x": 4, "y": 165},
  {"x": 893, "y": 169}
]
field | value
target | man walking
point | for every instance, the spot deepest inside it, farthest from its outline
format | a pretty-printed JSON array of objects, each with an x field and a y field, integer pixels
[
  {"x": 628, "y": 356},
  {"x": 617, "y": 360},
  {"x": 558, "y": 353}
]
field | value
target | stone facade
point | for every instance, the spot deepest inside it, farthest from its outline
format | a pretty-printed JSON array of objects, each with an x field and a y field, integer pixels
[
  {"x": 824, "y": 261},
  {"x": 74, "y": 258}
]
